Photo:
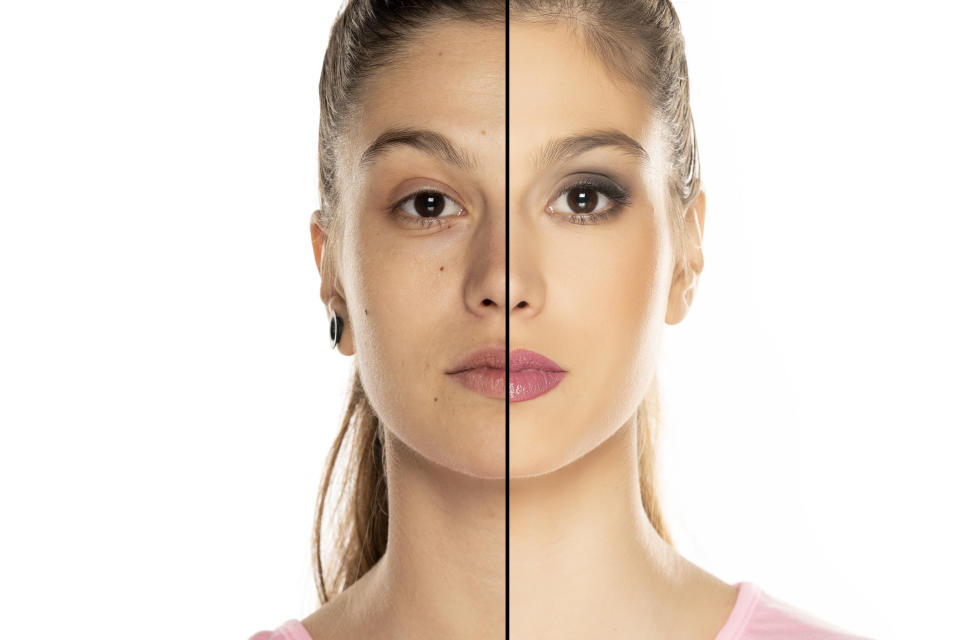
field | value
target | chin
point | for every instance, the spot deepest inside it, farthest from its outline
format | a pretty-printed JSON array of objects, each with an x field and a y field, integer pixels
[
  {"x": 533, "y": 454},
  {"x": 480, "y": 453},
  {"x": 537, "y": 451},
  {"x": 474, "y": 448},
  {"x": 531, "y": 467},
  {"x": 484, "y": 469}
]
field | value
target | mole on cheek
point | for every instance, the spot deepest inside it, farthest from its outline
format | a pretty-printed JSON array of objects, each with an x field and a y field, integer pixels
[{"x": 441, "y": 268}]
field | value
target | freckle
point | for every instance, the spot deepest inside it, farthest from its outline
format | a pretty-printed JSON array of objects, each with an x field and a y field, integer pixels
[
  {"x": 483, "y": 132},
  {"x": 441, "y": 268},
  {"x": 434, "y": 399}
]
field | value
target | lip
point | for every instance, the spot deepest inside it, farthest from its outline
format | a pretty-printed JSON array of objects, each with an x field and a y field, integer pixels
[
  {"x": 491, "y": 356},
  {"x": 522, "y": 359},
  {"x": 531, "y": 374}
]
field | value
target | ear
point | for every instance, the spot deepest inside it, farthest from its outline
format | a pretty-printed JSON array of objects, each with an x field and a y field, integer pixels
[
  {"x": 688, "y": 268},
  {"x": 330, "y": 292}
]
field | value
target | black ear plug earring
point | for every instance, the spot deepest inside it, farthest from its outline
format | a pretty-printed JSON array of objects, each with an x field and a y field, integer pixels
[{"x": 336, "y": 329}]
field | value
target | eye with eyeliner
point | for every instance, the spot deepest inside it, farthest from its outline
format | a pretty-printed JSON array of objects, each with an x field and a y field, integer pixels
[
  {"x": 617, "y": 195},
  {"x": 405, "y": 217}
]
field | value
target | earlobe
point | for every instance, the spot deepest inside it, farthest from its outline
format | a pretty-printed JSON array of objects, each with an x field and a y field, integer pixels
[
  {"x": 329, "y": 292},
  {"x": 687, "y": 273},
  {"x": 681, "y": 294}
]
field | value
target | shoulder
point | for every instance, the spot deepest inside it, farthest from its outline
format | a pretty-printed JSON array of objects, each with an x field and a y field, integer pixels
[
  {"x": 757, "y": 616},
  {"x": 289, "y": 630}
]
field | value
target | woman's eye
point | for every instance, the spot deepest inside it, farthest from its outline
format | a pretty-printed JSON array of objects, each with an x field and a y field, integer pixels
[
  {"x": 580, "y": 200},
  {"x": 430, "y": 204},
  {"x": 591, "y": 200}
]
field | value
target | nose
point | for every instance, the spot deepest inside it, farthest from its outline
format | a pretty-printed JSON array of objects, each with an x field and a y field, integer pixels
[
  {"x": 527, "y": 289},
  {"x": 485, "y": 292}
]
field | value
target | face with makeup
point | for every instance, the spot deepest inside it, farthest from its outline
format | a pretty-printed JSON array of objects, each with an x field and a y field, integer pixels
[
  {"x": 421, "y": 276},
  {"x": 594, "y": 261}
]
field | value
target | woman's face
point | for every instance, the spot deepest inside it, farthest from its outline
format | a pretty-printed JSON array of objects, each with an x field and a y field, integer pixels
[
  {"x": 594, "y": 263},
  {"x": 424, "y": 277}
]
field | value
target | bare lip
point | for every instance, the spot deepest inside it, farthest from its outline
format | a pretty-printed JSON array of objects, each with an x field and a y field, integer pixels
[
  {"x": 491, "y": 356},
  {"x": 495, "y": 357}
]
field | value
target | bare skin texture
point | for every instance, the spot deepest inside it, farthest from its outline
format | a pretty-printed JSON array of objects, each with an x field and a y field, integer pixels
[
  {"x": 584, "y": 560},
  {"x": 414, "y": 299}
]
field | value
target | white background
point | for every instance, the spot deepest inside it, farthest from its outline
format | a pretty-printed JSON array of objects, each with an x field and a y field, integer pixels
[{"x": 167, "y": 393}]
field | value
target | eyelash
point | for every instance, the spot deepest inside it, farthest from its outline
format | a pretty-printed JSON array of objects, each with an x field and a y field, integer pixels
[
  {"x": 619, "y": 196},
  {"x": 421, "y": 221}
]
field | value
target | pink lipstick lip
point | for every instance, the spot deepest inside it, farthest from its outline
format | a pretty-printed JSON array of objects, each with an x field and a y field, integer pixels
[
  {"x": 531, "y": 374},
  {"x": 521, "y": 359}
]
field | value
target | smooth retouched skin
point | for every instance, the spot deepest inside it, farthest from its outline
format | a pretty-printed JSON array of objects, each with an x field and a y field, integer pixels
[
  {"x": 414, "y": 299},
  {"x": 585, "y": 562}
]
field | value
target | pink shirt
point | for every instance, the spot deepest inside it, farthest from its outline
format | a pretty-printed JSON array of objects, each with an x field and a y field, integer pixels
[{"x": 755, "y": 616}]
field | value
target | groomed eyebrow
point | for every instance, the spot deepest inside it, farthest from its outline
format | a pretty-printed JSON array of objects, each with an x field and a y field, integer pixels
[
  {"x": 562, "y": 149},
  {"x": 431, "y": 142}
]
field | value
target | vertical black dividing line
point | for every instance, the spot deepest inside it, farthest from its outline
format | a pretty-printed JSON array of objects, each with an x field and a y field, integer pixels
[{"x": 506, "y": 177}]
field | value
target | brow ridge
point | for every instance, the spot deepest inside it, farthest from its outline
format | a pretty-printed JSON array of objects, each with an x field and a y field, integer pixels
[
  {"x": 431, "y": 142},
  {"x": 562, "y": 149}
]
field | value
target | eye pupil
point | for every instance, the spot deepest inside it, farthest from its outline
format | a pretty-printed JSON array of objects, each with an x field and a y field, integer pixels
[
  {"x": 582, "y": 200},
  {"x": 429, "y": 203}
]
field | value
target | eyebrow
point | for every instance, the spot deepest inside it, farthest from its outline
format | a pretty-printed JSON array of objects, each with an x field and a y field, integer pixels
[
  {"x": 431, "y": 142},
  {"x": 561, "y": 149}
]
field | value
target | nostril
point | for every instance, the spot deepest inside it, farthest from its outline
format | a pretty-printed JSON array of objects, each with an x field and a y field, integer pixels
[
  {"x": 521, "y": 304},
  {"x": 487, "y": 302}
]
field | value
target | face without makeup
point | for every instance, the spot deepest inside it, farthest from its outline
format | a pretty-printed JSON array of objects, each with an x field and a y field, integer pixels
[
  {"x": 597, "y": 289},
  {"x": 423, "y": 278}
]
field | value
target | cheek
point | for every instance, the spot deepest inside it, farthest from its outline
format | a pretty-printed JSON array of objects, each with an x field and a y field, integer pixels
[
  {"x": 398, "y": 295},
  {"x": 406, "y": 292},
  {"x": 614, "y": 288},
  {"x": 613, "y": 304}
]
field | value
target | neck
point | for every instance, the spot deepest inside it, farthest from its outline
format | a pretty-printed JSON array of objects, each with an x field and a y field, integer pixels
[
  {"x": 444, "y": 569},
  {"x": 583, "y": 552},
  {"x": 584, "y": 559}
]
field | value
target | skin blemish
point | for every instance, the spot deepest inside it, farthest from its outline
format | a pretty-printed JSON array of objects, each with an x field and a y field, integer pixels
[
  {"x": 483, "y": 132},
  {"x": 441, "y": 268},
  {"x": 364, "y": 312}
]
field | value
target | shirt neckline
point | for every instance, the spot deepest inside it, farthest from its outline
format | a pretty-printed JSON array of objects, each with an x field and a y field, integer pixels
[{"x": 748, "y": 594}]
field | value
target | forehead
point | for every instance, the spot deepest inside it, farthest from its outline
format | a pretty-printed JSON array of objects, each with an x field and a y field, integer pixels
[
  {"x": 450, "y": 78},
  {"x": 559, "y": 86}
]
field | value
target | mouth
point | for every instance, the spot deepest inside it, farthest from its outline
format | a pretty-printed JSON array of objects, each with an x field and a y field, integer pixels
[{"x": 531, "y": 374}]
